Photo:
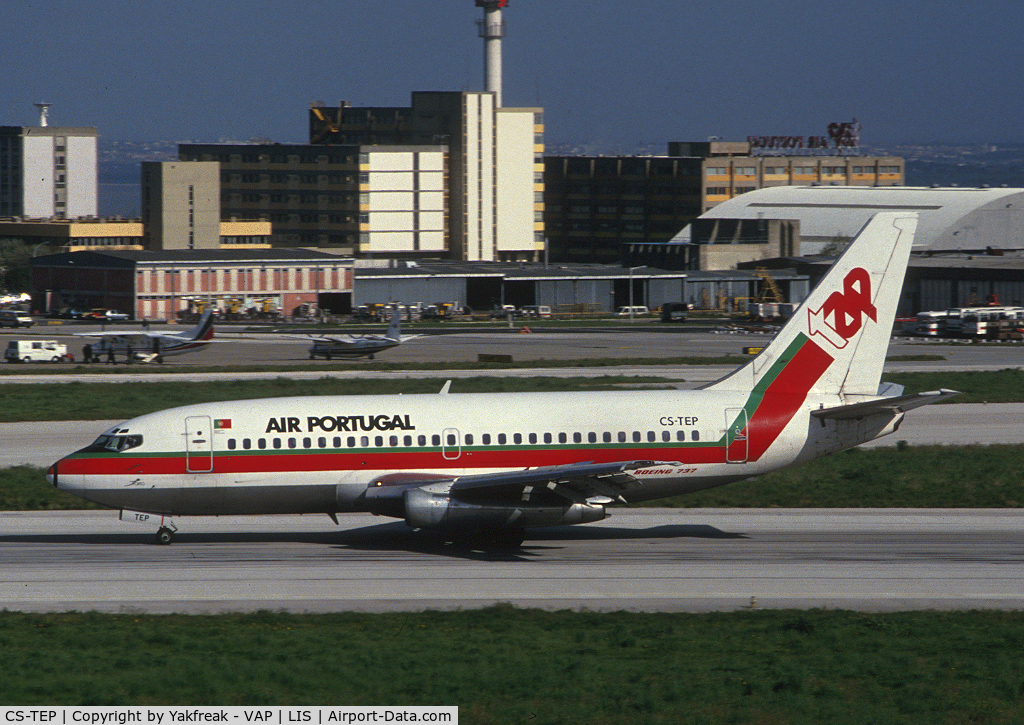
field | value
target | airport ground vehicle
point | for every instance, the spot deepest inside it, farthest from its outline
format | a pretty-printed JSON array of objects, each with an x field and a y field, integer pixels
[
  {"x": 632, "y": 311},
  {"x": 536, "y": 311},
  {"x": 992, "y": 323},
  {"x": 674, "y": 312},
  {"x": 36, "y": 351},
  {"x": 488, "y": 466}
]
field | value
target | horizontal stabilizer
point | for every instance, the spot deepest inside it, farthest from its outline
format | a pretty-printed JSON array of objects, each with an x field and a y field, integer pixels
[{"x": 895, "y": 404}]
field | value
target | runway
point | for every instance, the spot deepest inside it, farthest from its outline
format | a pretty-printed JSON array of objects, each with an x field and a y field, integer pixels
[{"x": 639, "y": 559}]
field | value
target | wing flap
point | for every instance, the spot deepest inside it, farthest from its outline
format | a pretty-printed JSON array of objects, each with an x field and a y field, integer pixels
[
  {"x": 894, "y": 404},
  {"x": 575, "y": 482}
]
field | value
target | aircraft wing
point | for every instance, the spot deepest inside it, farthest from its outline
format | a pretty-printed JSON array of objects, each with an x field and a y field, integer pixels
[
  {"x": 576, "y": 482},
  {"x": 126, "y": 335},
  {"x": 894, "y": 404}
]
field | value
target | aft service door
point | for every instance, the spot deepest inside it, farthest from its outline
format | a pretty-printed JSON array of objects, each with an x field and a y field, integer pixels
[
  {"x": 198, "y": 444},
  {"x": 736, "y": 441}
]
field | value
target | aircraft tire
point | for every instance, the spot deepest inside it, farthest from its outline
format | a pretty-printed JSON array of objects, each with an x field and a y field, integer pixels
[
  {"x": 26, "y": 359},
  {"x": 164, "y": 536}
]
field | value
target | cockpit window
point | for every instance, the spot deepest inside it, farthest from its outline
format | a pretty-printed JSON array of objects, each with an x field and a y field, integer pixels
[{"x": 117, "y": 443}]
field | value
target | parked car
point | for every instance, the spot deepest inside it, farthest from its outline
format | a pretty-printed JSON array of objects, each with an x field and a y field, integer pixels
[
  {"x": 104, "y": 314},
  {"x": 15, "y": 318}
]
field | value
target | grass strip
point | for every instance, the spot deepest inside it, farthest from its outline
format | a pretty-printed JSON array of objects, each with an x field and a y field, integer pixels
[
  {"x": 901, "y": 477},
  {"x": 96, "y": 401},
  {"x": 120, "y": 369},
  {"x": 101, "y": 401},
  {"x": 506, "y": 665}
]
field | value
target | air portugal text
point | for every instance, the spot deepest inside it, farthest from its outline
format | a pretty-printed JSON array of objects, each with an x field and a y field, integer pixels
[{"x": 346, "y": 423}]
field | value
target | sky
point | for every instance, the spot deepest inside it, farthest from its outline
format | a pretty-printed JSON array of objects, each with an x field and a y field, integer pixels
[{"x": 612, "y": 73}]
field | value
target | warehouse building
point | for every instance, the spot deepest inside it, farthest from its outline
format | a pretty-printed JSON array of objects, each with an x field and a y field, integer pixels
[{"x": 161, "y": 284}]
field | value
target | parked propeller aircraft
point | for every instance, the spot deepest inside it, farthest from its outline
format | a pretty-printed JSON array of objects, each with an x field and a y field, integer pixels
[
  {"x": 148, "y": 346},
  {"x": 330, "y": 346},
  {"x": 492, "y": 465}
]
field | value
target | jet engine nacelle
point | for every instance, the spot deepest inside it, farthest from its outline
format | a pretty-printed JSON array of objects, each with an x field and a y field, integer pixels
[{"x": 426, "y": 509}]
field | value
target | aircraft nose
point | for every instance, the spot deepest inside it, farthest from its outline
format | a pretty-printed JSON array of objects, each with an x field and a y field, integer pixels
[{"x": 51, "y": 475}]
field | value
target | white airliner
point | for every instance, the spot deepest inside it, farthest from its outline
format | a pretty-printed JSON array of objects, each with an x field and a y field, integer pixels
[
  {"x": 147, "y": 346},
  {"x": 362, "y": 346},
  {"x": 492, "y": 465}
]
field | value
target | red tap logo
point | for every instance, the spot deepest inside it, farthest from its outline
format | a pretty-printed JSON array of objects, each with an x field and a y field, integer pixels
[{"x": 840, "y": 318}]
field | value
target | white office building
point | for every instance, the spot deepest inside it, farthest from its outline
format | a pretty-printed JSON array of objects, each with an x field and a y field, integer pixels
[{"x": 48, "y": 172}]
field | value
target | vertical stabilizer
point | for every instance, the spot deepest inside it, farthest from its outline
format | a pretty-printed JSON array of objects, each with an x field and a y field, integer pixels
[
  {"x": 841, "y": 331},
  {"x": 204, "y": 330},
  {"x": 395, "y": 328}
]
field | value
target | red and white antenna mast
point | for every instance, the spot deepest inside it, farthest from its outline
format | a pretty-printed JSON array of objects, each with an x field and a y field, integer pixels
[{"x": 492, "y": 30}]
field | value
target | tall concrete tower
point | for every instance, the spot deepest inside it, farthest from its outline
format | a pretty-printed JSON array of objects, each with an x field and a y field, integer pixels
[{"x": 492, "y": 30}]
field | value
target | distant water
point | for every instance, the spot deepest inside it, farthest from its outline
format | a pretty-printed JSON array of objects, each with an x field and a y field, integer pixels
[{"x": 121, "y": 199}]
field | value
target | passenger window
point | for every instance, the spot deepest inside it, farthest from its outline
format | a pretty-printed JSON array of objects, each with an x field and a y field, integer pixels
[
  {"x": 307, "y": 442},
  {"x": 292, "y": 443},
  {"x": 636, "y": 436},
  {"x": 469, "y": 439},
  {"x": 592, "y": 437},
  {"x": 651, "y": 437},
  {"x": 337, "y": 442},
  {"x": 577, "y": 437},
  {"x": 435, "y": 440},
  {"x": 517, "y": 438},
  {"x": 378, "y": 441},
  {"x": 680, "y": 435},
  {"x": 502, "y": 439},
  {"x": 407, "y": 440},
  {"x": 695, "y": 435},
  {"x": 622, "y": 436},
  {"x": 261, "y": 443},
  {"x": 451, "y": 439},
  {"x": 421, "y": 440},
  {"x": 351, "y": 442},
  {"x": 321, "y": 442},
  {"x": 246, "y": 443},
  {"x": 607, "y": 437},
  {"x": 364, "y": 441},
  {"x": 231, "y": 444},
  {"x": 563, "y": 438},
  {"x": 277, "y": 443},
  {"x": 547, "y": 437},
  {"x": 666, "y": 437},
  {"x": 486, "y": 439}
]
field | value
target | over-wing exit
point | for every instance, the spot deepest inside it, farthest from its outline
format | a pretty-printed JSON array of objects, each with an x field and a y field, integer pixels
[{"x": 493, "y": 465}]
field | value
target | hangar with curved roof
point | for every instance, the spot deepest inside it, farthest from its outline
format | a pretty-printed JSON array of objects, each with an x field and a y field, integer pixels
[{"x": 950, "y": 220}]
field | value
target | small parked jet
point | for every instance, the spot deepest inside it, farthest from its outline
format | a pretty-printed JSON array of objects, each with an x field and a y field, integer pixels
[
  {"x": 147, "y": 346},
  {"x": 330, "y": 346},
  {"x": 492, "y": 465}
]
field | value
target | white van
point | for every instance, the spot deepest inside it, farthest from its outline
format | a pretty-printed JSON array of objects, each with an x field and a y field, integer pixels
[
  {"x": 537, "y": 310},
  {"x": 635, "y": 311},
  {"x": 15, "y": 318},
  {"x": 36, "y": 351}
]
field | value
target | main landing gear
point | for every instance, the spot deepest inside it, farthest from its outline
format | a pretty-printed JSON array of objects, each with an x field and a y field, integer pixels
[{"x": 164, "y": 536}]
